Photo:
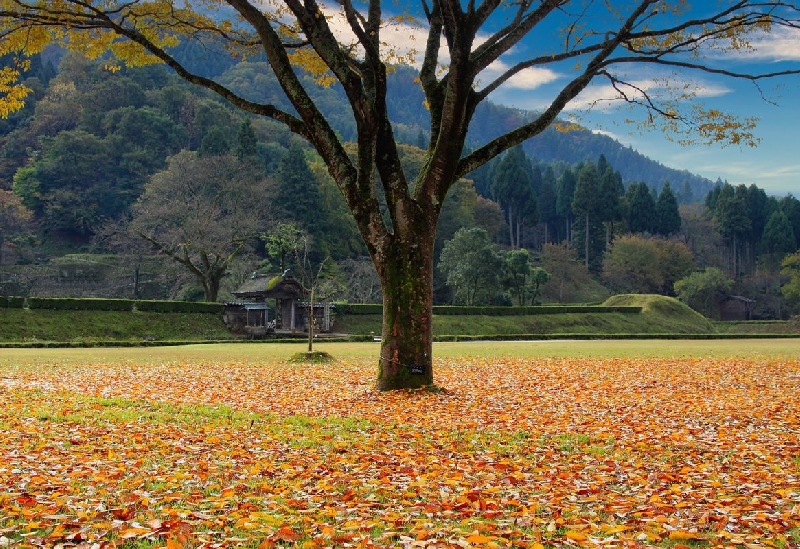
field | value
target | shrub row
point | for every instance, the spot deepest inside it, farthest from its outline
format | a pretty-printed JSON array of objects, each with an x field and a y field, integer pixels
[
  {"x": 359, "y": 308},
  {"x": 96, "y": 304},
  {"x": 457, "y": 310},
  {"x": 179, "y": 307},
  {"x": 79, "y": 304},
  {"x": 12, "y": 302},
  {"x": 533, "y": 310}
]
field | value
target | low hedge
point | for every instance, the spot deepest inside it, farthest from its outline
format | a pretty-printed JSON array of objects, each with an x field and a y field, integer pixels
[
  {"x": 359, "y": 308},
  {"x": 460, "y": 310},
  {"x": 123, "y": 305},
  {"x": 179, "y": 307},
  {"x": 457, "y": 310},
  {"x": 79, "y": 304},
  {"x": 12, "y": 302}
]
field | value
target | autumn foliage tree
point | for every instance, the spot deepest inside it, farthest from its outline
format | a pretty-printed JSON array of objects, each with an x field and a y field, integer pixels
[{"x": 463, "y": 60}]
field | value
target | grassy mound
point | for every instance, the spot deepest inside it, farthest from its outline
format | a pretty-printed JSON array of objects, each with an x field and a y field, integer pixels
[
  {"x": 665, "y": 312},
  {"x": 311, "y": 357}
]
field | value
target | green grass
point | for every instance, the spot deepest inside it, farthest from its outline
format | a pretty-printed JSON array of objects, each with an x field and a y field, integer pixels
[
  {"x": 263, "y": 352},
  {"x": 758, "y": 327}
]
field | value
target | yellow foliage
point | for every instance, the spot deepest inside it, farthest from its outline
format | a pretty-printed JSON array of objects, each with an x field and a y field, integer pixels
[
  {"x": 314, "y": 65},
  {"x": 12, "y": 94}
]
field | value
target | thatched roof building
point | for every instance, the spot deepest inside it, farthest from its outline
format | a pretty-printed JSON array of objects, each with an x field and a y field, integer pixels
[
  {"x": 250, "y": 312},
  {"x": 259, "y": 288}
]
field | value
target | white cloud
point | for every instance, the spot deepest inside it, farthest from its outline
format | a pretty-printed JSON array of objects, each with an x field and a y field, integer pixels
[
  {"x": 779, "y": 45},
  {"x": 606, "y": 97},
  {"x": 527, "y": 79},
  {"x": 612, "y": 135}
]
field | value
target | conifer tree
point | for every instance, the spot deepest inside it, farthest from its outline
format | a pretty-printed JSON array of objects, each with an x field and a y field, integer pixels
[
  {"x": 668, "y": 218},
  {"x": 298, "y": 196},
  {"x": 246, "y": 141}
]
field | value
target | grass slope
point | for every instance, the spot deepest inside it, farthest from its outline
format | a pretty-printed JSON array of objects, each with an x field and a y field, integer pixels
[
  {"x": 46, "y": 325},
  {"x": 660, "y": 315}
]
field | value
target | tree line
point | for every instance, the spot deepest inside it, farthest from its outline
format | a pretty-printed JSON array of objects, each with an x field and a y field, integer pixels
[{"x": 91, "y": 154}]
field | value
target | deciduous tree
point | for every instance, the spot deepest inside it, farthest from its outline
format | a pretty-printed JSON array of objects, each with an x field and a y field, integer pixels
[
  {"x": 790, "y": 266},
  {"x": 646, "y": 265},
  {"x": 464, "y": 44},
  {"x": 202, "y": 213},
  {"x": 703, "y": 291},
  {"x": 472, "y": 266},
  {"x": 14, "y": 218}
]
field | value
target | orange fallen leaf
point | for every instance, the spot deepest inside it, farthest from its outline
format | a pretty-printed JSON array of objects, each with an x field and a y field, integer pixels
[
  {"x": 128, "y": 533},
  {"x": 575, "y": 536},
  {"x": 614, "y": 528},
  {"x": 684, "y": 535},
  {"x": 478, "y": 538}
]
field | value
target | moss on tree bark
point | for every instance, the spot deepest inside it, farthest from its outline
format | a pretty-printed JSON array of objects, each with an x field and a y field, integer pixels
[{"x": 406, "y": 360}]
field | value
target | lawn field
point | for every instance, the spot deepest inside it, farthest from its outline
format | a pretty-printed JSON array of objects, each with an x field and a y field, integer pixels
[{"x": 668, "y": 444}]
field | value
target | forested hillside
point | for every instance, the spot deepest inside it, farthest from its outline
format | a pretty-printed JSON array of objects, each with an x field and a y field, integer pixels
[{"x": 119, "y": 168}]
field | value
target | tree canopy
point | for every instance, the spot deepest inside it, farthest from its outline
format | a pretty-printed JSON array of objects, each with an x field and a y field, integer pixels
[{"x": 461, "y": 63}]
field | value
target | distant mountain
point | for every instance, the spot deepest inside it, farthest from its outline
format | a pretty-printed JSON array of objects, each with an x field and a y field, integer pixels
[
  {"x": 491, "y": 120},
  {"x": 412, "y": 121}
]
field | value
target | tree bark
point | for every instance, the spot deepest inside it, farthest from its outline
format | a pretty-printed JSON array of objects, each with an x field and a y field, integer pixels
[
  {"x": 511, "y": 229},
  {"x": 586, "y": 241},
  {"x": 406, "y": 359}
]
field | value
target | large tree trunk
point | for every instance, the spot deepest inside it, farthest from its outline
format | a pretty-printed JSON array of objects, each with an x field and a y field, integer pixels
[
  {"x": 211, "y": 281},
  {"x": 406, "y": 360}
]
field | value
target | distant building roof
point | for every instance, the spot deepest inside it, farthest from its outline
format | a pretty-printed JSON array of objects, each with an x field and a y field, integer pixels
[{"x": 261, "y": 287}]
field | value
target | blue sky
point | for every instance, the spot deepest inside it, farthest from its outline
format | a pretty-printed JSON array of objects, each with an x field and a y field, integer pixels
[{"x": 773, "y": 165}]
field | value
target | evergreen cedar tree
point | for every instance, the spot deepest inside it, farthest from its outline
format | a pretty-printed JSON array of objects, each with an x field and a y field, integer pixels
[{"x": 399, "y": 233}]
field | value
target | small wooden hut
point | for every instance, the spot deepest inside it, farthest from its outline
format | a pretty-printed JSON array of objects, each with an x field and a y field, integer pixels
[
  {"x": 289, "y": 312},
  {"x": 286, "y": 291},
  {"x": 736, "y": 307},
  {"x": 252, "y": 319}
]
